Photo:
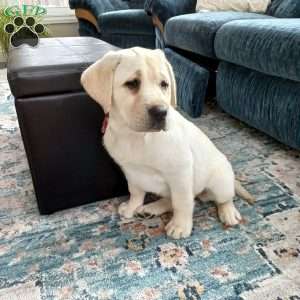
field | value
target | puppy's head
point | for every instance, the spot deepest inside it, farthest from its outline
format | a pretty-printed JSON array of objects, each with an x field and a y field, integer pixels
[{"x": 138, "y": 84}]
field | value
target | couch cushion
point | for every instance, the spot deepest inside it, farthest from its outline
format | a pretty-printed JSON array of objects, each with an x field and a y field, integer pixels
[
  {"x": 284, "y": 9},
  {"x": 268, "y": 46},
  {"x": 196, "y": 32}
]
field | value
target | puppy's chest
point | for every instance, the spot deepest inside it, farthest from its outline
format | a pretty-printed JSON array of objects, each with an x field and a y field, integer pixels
[
  {"x": 139, "y": 166},
  {"x": 124, "y": 150},
  {"x": 146, "y": 178}
]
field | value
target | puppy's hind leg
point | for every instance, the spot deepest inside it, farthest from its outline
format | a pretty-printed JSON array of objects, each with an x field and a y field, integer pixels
[
  {"x": 156, "y": 208},
  {"x": 222, "y": 187},
  {"x": 127, "y": 209},
  {"x": 206, "y": 196},
  {"x": 228, "y": 213}
]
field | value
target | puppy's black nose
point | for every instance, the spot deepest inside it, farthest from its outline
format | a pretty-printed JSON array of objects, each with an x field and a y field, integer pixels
[{"x": 158, "y": 112}]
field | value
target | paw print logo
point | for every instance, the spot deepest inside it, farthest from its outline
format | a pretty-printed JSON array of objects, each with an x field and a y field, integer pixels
[{"x": 24, "y": 31}]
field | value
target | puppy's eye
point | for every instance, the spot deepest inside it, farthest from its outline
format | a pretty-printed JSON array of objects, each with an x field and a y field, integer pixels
[
  {"x": 133, "y": 84},
  {"x": 164, "y": 84}
]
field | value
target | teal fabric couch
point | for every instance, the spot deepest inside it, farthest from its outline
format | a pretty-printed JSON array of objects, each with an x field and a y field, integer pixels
[{"x": 256, "y": 59}]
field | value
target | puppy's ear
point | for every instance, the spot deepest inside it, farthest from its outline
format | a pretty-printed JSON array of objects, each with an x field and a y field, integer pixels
[
  {"x": 98, "y": 78},
  {"x": 171, "y": 75},
  {"x": 173, "y": 84}
]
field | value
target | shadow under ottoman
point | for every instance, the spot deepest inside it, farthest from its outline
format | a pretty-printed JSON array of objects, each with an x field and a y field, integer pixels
[{"x": 61, "y": 125}]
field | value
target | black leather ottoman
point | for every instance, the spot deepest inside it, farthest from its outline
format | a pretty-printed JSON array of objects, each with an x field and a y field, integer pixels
[{"x": 61, "y": 125}]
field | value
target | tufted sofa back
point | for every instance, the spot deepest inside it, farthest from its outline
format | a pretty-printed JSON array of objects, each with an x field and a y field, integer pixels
[
  {"x": 284, "y": 9},
  {"x": 135, "y": 4},
  {"x": 102, "y": 6}
]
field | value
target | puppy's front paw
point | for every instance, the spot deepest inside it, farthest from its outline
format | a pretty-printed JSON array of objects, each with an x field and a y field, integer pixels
[
  {"x": 228, "y": 214},
  {"x": 125, "y": 210},
  {"x": 179, "y": 228}
]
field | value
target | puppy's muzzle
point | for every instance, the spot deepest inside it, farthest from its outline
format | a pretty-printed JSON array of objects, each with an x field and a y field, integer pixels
[{"x": 158, "y": 115}]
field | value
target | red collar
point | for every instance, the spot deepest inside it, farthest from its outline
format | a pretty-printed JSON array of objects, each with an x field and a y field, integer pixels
[{"x": 105, "y": 123}]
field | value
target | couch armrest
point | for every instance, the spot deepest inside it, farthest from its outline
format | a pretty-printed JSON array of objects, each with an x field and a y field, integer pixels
[
  {"x": 166, "y": 9},
  {"x": 125, "y": 22}
]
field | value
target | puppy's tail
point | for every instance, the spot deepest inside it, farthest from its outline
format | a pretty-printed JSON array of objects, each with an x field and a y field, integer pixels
[{"x": 243, "y": 193}]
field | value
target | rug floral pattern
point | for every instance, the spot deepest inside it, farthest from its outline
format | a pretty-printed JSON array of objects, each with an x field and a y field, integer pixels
[{"x": 90, "y": 253}]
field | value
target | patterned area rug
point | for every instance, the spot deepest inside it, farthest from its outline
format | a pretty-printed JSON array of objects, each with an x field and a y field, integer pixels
[{"x": 90, "y": 253}]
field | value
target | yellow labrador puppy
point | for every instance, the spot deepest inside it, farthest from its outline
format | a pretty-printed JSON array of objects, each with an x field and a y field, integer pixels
[{"x": 158, "y": 149}]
